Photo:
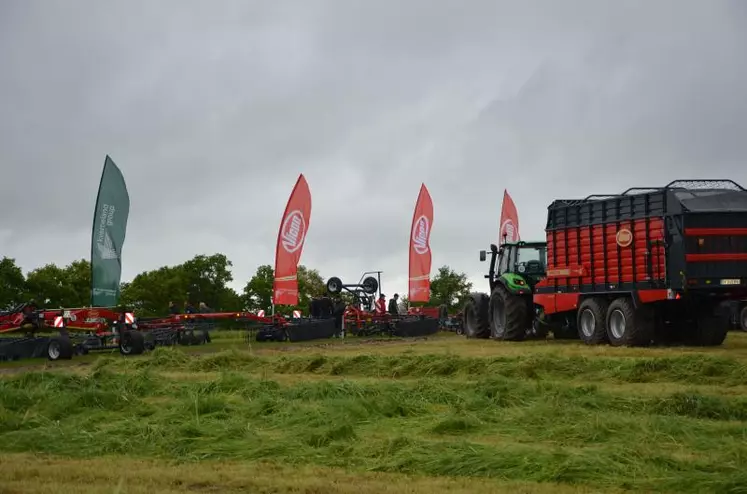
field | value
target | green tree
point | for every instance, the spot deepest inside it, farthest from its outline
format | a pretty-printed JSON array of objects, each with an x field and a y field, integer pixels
[
  {"x": 48, "y": 286},
  {"x": 201, "y": 279},
  {"x": 450, "y": 288},
  {"x": 12, "y": 283},
  {"x": 77, "y": 275},
  {"x": 207, "y": 278},
  {"x": 310, "y": 284},
  {"x": 64, "y": 287},
  {"x": 150, "y": 292},
  {"x": 258, "y": 290},
  {"x": 257, "y": 293}
]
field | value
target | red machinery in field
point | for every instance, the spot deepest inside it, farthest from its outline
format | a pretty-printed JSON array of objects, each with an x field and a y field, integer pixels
[
  {"x": 194, "y": 328},
  {"x": 80, "y": 330},
  {"x": 359, "y": 318},
  {"x": 650, "y": 264},
  {"x": 191, "y": 329}
]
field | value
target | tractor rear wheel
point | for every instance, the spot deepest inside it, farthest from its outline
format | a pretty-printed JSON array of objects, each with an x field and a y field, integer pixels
[
  {"x": 508, "y": 315},
  {"x": 475, "y": 316}
]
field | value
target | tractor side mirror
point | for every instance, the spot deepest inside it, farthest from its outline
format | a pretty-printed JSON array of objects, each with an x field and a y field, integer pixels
[{"x": 483, "y": 256}]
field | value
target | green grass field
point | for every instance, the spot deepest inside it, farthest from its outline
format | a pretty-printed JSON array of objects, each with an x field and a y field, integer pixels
[{"x": 442, "y": 414}]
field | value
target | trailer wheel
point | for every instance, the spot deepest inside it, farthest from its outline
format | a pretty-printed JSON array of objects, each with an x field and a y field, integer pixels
[
  {"x": 709, "y": 329},
  {"x": 60, "y": 349},
  {"x": 508, "y": 315},
  {"x": 591, "y": 321},
  {"x": 627, "y": 325},
  {"x": 132, "y": 343},
  {"x": 743, "y": 318},
  {"x": 475, "y": 316}
]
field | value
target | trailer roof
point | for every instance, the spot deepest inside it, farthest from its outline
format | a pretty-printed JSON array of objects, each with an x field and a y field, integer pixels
[
  {"x": 683, "y": 190},
  {"x": 680, "y": 196}
]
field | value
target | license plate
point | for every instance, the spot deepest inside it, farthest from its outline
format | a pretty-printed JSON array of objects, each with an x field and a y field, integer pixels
[{"x": 731, "y": 281}]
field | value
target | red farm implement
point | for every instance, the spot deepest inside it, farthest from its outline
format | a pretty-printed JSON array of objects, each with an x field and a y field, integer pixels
[
  {"x": 190, "y": 329},
  {"x": 28, "y": 332},
  {"x": 665, "y": 264},
  {"x": 194, "y": 329},
  {"x": 360, "y": 319}
]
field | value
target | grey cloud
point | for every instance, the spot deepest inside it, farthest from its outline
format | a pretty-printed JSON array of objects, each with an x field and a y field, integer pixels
[{"x": 212, "y": 110}]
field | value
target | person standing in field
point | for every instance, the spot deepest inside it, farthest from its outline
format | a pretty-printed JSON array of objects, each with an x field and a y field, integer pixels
[
  {"x": 393, "y": 308},
  {"x": 381, "y": 305}
]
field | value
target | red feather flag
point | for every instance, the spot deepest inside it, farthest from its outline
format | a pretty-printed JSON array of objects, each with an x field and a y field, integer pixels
[
  {"x": 420, "y": 249},
  {"x": 291, "y": 237}
]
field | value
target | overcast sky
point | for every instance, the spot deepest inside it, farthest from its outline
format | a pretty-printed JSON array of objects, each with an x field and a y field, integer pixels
[{"x": 211, "y": 109}]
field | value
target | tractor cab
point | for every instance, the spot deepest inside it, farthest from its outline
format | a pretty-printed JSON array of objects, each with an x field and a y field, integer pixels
[{"x": 519, "y": 261}]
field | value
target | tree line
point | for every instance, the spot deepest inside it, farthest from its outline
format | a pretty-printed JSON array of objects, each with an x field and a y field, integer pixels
[{"x": 200, "y": 279}]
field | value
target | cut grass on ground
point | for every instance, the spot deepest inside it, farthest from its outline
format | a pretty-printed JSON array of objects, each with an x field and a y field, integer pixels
[
  {"x": 383, "y": 418},
  {"x": 27, "y": 474}
]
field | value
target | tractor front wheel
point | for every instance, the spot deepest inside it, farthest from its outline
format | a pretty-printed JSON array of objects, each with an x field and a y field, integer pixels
[
  {"x": 508, "y": 315},
  {"x": 475, "y": 322}
]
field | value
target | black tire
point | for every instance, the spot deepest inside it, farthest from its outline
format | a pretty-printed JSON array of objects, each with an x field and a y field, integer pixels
[
  {"x": 709, "y": 329},
  {"x": 628, "y": 325},
  {"x": 591, "y": 321},
  {"x": 443, "y": 311},
  {"x": 475, "y": 316},
  {"x": 743, "y": 318},
  {"x": 334, "y": 285},
  {"x": 60, "y": 348},
  {"x": 370, "y": 285},
  {"x": 132, "y": 343},
  {"x": 508, "y": 315}
]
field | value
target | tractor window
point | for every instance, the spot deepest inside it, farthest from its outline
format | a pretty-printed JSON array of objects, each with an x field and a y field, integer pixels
[
  {"x": 513, "y": 257},
  {"x": 531, "y": 260},
  {"x": 532, "y": 254},
  {"x": 504, "y": 261}
]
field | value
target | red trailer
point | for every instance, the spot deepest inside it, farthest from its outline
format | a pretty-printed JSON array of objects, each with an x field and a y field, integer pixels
[{"x": 650, "y": 264}]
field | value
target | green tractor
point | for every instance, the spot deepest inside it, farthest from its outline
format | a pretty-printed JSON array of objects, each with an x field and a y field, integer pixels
[{"x": 509, "y": 312}]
